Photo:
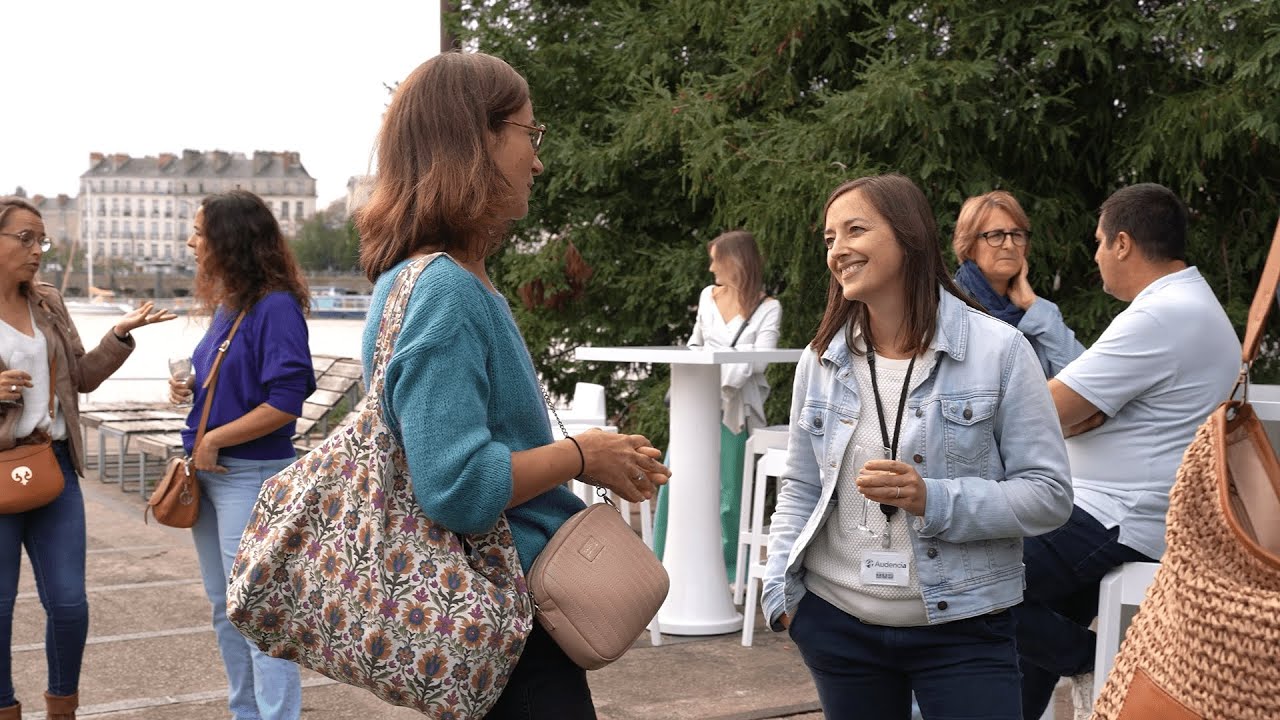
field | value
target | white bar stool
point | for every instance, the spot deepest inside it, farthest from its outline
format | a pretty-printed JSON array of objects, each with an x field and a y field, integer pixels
[
  {"x": 760, "y": 441},
  {"x": 771, "y": 464}
]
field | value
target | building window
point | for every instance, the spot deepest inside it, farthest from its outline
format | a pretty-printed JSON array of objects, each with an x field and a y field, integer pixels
[
  {"x": 168, "y": 208},
  {"x": 100, "y": 248},
  {"x": 115, "y": 227},
  {"x": 184, "y": 207},
  {"x": 115, "y": 206},
  {"x": 115, "y": 249},
  {"x": 155, "y": 250},
  {"x": 284, "y": 209},
  {"x": 298, "y": 210},
  {"x": 128, "y": 206},
  {"x": 102, "y": 226},
  {"x": 155, "y": 207},
  {"x": 115, "y": 186},
  {"x": 141, "y": 228}
]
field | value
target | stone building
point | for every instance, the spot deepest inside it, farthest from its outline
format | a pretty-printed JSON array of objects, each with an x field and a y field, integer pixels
[
  {"x": 61, "y": 216},
  {"x": 140, "y": 209}
]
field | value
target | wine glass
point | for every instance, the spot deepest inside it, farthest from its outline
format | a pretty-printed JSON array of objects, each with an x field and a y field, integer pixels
[
  {"x": 180, "y": 369},
  {"x": 861, "y": 457}
]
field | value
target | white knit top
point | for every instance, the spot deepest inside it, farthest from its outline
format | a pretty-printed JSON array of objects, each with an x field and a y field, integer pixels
[{"x": 832, "y": 561}]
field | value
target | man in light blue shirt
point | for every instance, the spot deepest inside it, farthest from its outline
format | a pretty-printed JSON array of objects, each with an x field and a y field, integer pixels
[{"x": 1151, "y": 379}]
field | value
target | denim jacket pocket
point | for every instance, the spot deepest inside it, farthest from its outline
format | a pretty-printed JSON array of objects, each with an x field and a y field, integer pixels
[{"x": 967, "y": 428}]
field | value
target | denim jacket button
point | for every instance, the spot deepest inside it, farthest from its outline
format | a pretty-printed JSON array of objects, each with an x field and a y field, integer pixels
[
  {"x": 917, "y": 458},
  {"x": 817, "y": 422},
  {"x": 942, "y": 605},
  {"x": 968, "y": 413},
  {"x": 919, "y": 412},
  {"x": 932, "y": 552}
]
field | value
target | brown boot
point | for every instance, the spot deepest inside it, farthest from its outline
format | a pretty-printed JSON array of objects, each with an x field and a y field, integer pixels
[
  {"x": 13, "y": 712},
  {"x": 59, "y": 707}
]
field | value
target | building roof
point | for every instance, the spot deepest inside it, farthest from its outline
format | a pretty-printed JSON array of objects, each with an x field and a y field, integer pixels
[{"x": 198, "y": 164}]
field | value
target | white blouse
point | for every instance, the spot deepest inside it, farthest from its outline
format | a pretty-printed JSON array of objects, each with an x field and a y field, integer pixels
[
  {"x": 743, "y": 388},
  {"x": 20, "y": 351}
]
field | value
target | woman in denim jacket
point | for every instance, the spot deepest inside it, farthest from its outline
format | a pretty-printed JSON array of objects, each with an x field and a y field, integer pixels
[{"x": 924, "y": 446}]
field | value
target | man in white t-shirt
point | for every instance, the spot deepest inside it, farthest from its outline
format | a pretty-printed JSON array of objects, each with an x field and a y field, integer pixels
[{"x": 1152, "y": 379}]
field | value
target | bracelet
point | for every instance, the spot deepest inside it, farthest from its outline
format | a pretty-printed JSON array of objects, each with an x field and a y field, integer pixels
[{"x": 582, "y": 459}]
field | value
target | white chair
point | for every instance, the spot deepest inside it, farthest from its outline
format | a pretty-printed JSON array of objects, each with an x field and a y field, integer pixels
[
  {"x": 1124, "y": 587},
  {"x": 760, "y": 441},
  {"x": 771, "y": 464},
  {"x": 587, "y": 407}
]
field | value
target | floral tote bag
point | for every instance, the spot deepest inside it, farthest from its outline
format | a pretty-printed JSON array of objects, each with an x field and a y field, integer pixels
[{"x": 340, "y": 571}]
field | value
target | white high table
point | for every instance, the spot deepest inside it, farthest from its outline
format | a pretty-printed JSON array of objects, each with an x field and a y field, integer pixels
[{"x": 699, "y": 602}]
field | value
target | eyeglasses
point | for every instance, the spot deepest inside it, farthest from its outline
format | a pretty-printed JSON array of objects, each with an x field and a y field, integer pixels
[
  {"x": 535, "y": 132},
  {"x": 28, "y": 238},
  {"x": 995, "y": 238}
]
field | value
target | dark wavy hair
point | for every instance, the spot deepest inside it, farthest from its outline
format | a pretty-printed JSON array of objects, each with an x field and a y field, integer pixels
[
  {"x": 908, "y": 214},
  {"x": 244, "y": 255},
  {"x": 437, "y": 184}
]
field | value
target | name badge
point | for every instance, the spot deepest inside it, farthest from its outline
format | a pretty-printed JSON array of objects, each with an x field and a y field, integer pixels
[{"x": 886, "y": 568}]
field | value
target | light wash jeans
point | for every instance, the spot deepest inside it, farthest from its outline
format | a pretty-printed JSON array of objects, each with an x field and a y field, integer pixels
[{"x": 260, "y": 687}]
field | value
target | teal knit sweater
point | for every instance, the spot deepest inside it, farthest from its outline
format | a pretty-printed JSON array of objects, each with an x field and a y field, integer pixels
[{"x": 462, "y": 395}]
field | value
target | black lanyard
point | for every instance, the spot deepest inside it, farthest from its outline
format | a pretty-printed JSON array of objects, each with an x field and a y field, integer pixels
[{"x": 890, "y": 446}]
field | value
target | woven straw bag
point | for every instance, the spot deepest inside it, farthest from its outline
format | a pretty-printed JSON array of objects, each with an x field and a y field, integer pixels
[
  {"x": 340, "y": 571},
  {"x": 1204, "y": 642}
]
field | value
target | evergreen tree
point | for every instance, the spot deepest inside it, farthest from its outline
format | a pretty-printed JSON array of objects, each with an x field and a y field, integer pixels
[{"x": 670, "y": 122}]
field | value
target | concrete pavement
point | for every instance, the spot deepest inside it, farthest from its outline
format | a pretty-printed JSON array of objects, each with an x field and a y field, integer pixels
[{"x": 152, "y": 653}]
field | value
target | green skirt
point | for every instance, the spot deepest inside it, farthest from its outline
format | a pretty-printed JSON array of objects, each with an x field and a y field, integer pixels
[{"x": 733, "y": 446}]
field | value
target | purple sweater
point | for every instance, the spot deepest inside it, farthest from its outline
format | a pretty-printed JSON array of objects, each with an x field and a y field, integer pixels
[{"x": 269, "y": 361}]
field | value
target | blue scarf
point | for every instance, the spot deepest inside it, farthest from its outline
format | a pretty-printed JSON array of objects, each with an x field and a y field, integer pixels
[{"x": 975, "y": 283}]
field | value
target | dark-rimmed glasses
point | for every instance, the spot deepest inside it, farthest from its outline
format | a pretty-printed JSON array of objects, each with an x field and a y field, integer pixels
[
  {"x": 28, "y": 238},
  {"x": 995, "y": 238},
  {"x": 535, "y": 132}
]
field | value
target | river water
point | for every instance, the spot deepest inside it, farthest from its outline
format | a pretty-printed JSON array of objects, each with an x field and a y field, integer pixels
[{"x": 143, "y": 377}]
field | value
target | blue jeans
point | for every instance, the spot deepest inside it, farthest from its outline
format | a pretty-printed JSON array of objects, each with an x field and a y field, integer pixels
[
  {"x": 1064, "y": 569},
  {"x": 54, "y": 536},
  {"x": 960, "y": 670},
  {"x": 259, "y": 685}
]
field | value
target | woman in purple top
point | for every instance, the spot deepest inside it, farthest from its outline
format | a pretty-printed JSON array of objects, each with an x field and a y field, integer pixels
[{"x": 244, "y": 264}]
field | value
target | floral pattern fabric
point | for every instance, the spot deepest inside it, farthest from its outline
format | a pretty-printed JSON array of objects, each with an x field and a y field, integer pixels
[{"x": 340, "y": 571}]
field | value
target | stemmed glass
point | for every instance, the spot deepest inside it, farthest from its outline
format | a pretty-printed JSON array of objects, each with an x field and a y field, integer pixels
[
  {"x": 861, "y": 456},
  {"x": 180, "y": 369}
]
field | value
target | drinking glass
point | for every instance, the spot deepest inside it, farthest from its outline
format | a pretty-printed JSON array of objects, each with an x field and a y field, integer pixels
[{"x": 180, "y": 369}]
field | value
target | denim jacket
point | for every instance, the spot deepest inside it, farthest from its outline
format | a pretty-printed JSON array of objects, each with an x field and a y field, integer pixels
[{"x": 983, "y": 433}]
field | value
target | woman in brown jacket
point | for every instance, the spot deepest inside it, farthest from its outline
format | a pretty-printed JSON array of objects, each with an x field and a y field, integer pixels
[{"x": 36, "y": 333}]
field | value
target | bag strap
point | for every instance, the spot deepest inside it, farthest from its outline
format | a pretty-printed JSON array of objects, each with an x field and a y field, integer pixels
[
  {"x": 53, "y": 376},
  {"x": 602, "y": 492},
  {"x": 1262, "y": 299},
  {"x": 744, "y": 324},
  {"x": 389, "y": 325},
  {"x": 211, "y": 382}
]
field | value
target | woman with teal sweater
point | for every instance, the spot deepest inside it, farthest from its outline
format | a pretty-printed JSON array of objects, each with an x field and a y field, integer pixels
[{"x": 457, "y": 158}]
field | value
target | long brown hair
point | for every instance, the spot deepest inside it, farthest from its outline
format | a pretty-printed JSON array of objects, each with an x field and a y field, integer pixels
[
  {"x": 8, "y": 204},
  {"x": 437, "y": 184},
  {"x": 975, "y": 211},
  {"x": 741, "y": 255},
  {"x": 244, "y": 255},
  {"x": 907, "y": 212}
]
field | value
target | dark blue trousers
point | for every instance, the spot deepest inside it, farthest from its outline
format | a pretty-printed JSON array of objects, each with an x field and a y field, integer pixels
[
  {"x": 54, "y": 536},
  {"x": 961, "y": 670},
  {"x": 546, "y": 685},
  {"x": 1064, "y": 569}
]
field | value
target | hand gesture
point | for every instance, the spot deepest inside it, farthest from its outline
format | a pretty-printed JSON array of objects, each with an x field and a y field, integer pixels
[
  {"x": 11, "y": 384},
  {"x": 144, "y": 314},
  {"x": 1020, "y": 292},
  {"x": 625, "y": 464},
  {"x": 893, "y": 483}
]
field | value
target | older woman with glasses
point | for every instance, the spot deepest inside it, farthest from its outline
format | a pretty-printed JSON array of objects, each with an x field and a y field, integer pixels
[
  {"x": 37, "y": 340},
  {"x": 990, "y": 241}
]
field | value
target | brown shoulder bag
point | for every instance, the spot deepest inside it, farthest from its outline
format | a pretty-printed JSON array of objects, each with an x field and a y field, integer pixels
[
  {"x": 30, "y": 476},
  {"x": 176, "y": 500}
]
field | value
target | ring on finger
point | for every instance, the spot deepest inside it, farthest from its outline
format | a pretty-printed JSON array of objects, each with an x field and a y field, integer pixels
[{"x": 898, "y": 492}]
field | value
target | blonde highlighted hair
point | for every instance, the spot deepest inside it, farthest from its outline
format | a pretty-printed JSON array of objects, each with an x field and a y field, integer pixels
[
  {"x": 738, "y": 250},
  {"x": 975, "y": 211}
]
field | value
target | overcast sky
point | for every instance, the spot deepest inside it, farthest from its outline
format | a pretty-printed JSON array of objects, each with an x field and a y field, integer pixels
[{"x": 144, "y": 77}]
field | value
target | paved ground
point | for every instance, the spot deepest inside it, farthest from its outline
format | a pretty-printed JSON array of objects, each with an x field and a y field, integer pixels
[{"x": 152, "y": 652}]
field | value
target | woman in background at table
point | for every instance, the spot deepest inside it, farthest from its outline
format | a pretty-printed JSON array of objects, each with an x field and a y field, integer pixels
[
  {"x": 991, "y": 240},
  {"x": 34, "y": 329},
  {"x": 733, "y": 312},
  {"x": 244, "y": 265}
]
